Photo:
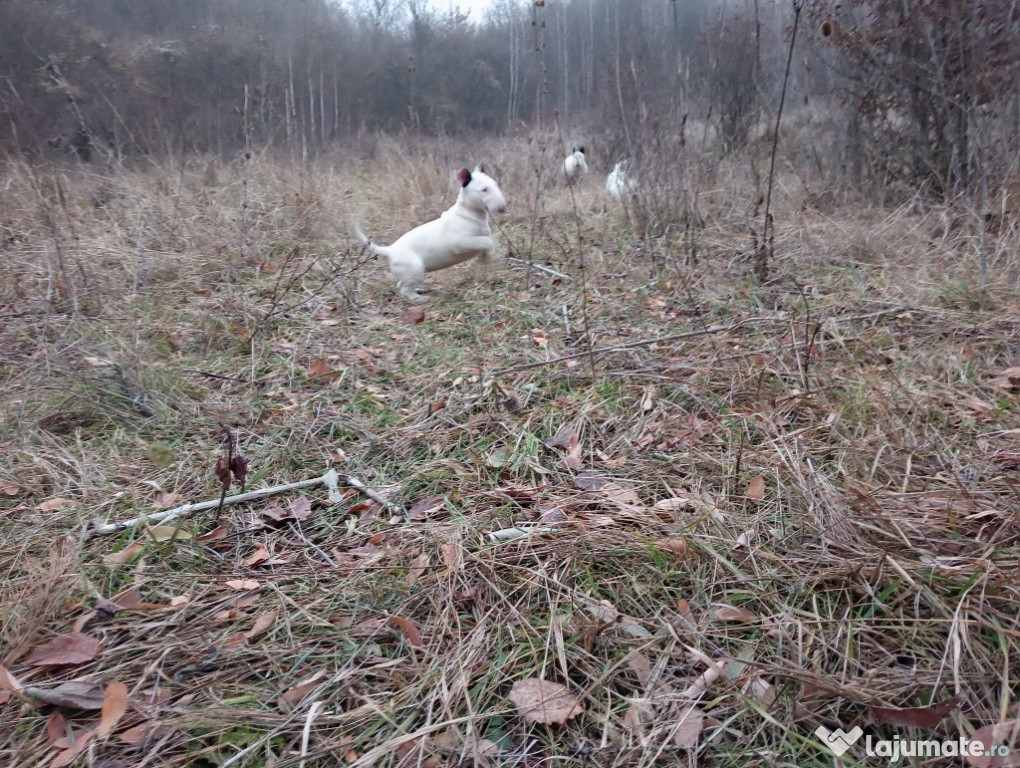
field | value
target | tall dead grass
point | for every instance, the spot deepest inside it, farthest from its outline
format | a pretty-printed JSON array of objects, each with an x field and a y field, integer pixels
[{"x": 818, "y": 488}]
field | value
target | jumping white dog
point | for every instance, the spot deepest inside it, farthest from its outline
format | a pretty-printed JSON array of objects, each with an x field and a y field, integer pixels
[
  {"x": 619, "y": 183},
  {"x": 575, "y": 166},
  {"x": 460, "y": 233}
]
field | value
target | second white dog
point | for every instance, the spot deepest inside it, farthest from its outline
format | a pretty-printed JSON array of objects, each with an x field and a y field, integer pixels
[
  {"x": 575, "y": 166},
  {"x": 460, "y": 233}
]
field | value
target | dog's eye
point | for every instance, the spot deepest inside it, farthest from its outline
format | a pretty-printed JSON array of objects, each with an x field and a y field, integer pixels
[{"x": 485, "y": 189}]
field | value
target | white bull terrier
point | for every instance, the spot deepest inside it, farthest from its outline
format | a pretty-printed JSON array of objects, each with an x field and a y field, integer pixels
[
  {"x": 460, "y": 233},
  {"x": 575, "y": 166}
]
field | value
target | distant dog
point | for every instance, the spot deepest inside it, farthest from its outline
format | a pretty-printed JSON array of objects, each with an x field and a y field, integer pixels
[
  {"x": 575, "y": 166},
  {"x": 460, "y": 233},
  {"x": 620, "y": 184}
]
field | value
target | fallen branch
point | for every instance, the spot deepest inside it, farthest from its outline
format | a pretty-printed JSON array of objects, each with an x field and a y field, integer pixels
[
  {"x": 539, "y": 267},
  {"x": 331, "y": 480}
]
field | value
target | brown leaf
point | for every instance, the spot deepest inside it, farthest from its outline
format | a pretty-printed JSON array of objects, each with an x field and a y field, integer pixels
[
  {"x": 260, "y": 555},
  {"x": 56, "y": 504},
  {"x": 73, "y": 649},
  {"x": 1008, "y": 379},
  {"x": 997, "y": 735},
  {"x": 75, "y": 694},
  {"x": 244, "y": 585},
  {"x": 126, "y": 555},
  {"x": 687, "y": 732},
  {"x": 423, "y": 508},
  {"x": 135, "y": 735},
  {"x": 640, "y": 665},
  {"x": 322, "y": 369},
  {"x": 450, "y": 553},
  {"x": 114, "y": 707},
  {"x": 756, "y": 489},
  {"x": 130, "y": 599},
  {"x": 566, "y": 439},
  {"x": 298, "y": 691},
  {"x": 239, "y": 468},
  {"x": 218, "y": 533},
  {"x": 262, "y": 623},
  {"x": 408, "y": 628},
  {"x": 418, "y": 567},
  {"x": 591, "y": 480},
  {"x": 167, "y": 500},
  {"x": 413, "y": 316},
  {"x": 735, "y": 613},
  {"x": 9, "y": 682},
  {"x": 542, "y": 701},
  {"x": 9, "y": 489},
  {"x": 69, "y": 755},
  {"x": 916, "y": 717},
  {"x": 678, "y": 547},
  {"x": 56, "y": 729}
]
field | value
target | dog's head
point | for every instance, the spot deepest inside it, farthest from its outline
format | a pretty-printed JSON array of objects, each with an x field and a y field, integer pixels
[{"x": 480, "y": 191}]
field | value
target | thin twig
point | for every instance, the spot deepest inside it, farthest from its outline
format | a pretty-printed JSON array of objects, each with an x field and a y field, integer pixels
[{"x": 618, "y": 347}]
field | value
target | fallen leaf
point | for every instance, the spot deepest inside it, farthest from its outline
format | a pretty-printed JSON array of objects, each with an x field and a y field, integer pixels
[
  {"x": 735, "y": 613},
  {"x": 260, "y": 555},
  {"x": 426, "y": 507},
  {"x": 218, "y": 533},
  {"x": 298, "y": 691},
  {"x": 498, "y": 457},
  {"x": 418, "y": 567},
  {"x": 1002, "y": 735},
  {"x": 75, "y": 694},
  {"x": 301, "y": 508},
  {"x": 542, "y": 701},
  {"x": 9, "y": 489},
  {"x": 756, "y": 489},
  {"x": 70, "y": 650},
  {"x": 450, "y": 553},
  {"x": 56, "y": 729},
  {"x": 687, "y": 731},
  {"x": 413, "y": 316},
  {"x": 408, "y": 628},
  {"x": 164, "y": 533},
  {"x": 55, "y": 504},
  {"x": 244, "y": 585},
  {"x": 69, "y": 755},
  {"x": 1008, "y": 379},
  {"x": 322, "y": 369},
  {"x": 648, "y": 399},
  {"x": 167, "y": 500},
  {"x": 262, "y": 623},
  {"x": 126, "y": 555},
  {"x": 135, "y": 735},
  {"x": 114, "y": 707},
  {"x": 641, "y": 666},
  {"x": 678, "y": 547},
  {"x": 566, "y": 438},
  {"x": 591, "y": 480},
  {"x": 916, "y": 717},
  {"x": 9, "y": 682},
  {"x": 130, "y": 599}
]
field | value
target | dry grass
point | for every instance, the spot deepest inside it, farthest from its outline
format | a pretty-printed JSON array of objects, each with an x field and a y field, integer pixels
[{"x": 876, "y": 565}]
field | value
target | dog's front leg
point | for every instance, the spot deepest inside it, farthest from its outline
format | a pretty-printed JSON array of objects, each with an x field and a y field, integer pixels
[{"x": 483, "y": 245}]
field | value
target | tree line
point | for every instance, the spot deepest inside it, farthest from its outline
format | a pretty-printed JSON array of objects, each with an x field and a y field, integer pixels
[{"x": 925, "y": 89}]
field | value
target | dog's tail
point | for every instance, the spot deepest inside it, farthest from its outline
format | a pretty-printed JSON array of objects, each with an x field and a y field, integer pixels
[{"x": 367, "y": 242}]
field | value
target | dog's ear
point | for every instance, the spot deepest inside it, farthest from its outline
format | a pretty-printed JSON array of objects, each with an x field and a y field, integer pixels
[
  {"x": 479, "y": 169},
  {"x": 581, "y": 150},
  {"x": 464, "y": 176}
]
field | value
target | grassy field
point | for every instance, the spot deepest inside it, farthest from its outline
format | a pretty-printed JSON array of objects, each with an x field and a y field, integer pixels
[{"x": 750, "y": 510}]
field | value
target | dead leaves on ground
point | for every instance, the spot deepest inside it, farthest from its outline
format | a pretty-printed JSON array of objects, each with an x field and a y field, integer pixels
[
  {"x": 69, "y": 650},
  {"x": 544, "y": 702}
]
